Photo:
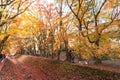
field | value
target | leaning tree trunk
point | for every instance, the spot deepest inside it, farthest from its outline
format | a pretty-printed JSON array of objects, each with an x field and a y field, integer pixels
[{"x": 2, "y": 42}]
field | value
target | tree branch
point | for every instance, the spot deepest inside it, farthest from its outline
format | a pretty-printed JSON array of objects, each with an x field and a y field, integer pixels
[{"x": 8, "y": 3}]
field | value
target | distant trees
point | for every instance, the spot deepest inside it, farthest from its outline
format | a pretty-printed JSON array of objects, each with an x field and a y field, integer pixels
[
  {"x": 75, "y": 24},
  {"x": 47, "y": 29}
]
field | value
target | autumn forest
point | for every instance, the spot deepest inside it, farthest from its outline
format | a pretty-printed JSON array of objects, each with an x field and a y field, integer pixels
[{"x": 60, "y": 39}]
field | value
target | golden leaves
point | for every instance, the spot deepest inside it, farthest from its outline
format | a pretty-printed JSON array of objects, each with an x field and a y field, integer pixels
[{"x": 111, "y": 4}]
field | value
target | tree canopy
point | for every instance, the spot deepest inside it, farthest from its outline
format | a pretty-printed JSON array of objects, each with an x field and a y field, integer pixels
[{"x": 90, "y": 28}]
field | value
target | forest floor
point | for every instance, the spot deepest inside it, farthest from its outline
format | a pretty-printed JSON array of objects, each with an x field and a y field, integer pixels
[
  {"x": 35, "y": 68},
  {"x": 16, "y": 69}
]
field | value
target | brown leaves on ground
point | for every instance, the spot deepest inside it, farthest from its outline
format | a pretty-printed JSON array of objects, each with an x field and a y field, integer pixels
[
  {"x": 35, "y": 68},
  {"x": 15, "y": 70},
  {"x": 62, "y": 71}
]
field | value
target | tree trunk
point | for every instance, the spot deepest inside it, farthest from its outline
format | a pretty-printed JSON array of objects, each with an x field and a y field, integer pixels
[
  {"x": 40, "y": 51},
  {"x": 44, "y": 52},
  {"x": 58, "y": 53},
  {"x": 97, "y": 60},
  {"x": 52, "y": 51},
  {"x": 58, "y": 56},
  {"x": 2, "y": 42},
  {"x": 68, "y": 56},
  {"x": 52, "y": 55},
  {"x": 34, "y": 50}
]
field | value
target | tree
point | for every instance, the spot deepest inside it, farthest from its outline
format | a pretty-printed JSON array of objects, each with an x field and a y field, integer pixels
[
  {"x": 63, "y": 27},
  {"x": 89, "y": 15},
  {"x": 47, "y": 13},
  {"x": 10, "y": 9}
]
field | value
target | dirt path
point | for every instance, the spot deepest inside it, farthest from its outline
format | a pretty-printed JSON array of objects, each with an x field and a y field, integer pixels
[
  {"x": 20, "y": 69},
  {"x": 13, "y": 69}
]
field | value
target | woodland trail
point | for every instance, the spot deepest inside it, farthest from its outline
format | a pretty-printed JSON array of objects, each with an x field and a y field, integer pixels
[
  {"x": 13, "y": 69},
  {"x": 36, "y": 68}
]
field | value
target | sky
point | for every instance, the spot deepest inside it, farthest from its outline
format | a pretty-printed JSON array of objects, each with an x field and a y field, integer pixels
[{"x": 50, "y": 1}]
